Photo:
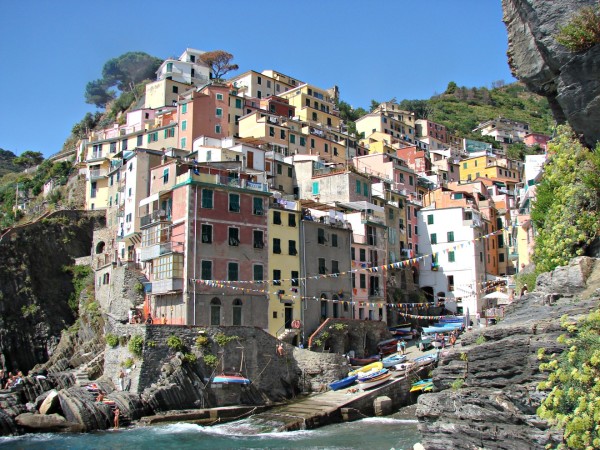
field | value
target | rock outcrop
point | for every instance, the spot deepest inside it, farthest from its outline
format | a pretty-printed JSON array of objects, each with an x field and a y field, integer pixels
[
  {"x": 570, "y": 81},
  {"x": 486, "y": 388}
]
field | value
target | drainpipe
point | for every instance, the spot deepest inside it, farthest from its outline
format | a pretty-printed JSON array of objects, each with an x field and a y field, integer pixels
[
  {"x": 303, "y": 279},
  {"x": 195, "y": 247}
]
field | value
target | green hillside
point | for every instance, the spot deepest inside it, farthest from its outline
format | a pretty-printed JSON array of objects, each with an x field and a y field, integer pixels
[
  {"x": 7, "y": 164},
  {"x": 461, "y": 109}
]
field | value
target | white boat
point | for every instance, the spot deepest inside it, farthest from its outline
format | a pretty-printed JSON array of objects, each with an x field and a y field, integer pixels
[
  {"x": 369, "y": 384},
  {"x": 394, "y": 359}
]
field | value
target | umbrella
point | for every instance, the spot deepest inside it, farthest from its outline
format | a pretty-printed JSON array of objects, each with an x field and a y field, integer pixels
[{"x": 497, "y": 295}]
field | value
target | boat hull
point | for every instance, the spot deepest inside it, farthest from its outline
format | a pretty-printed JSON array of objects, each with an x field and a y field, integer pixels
[
  {"x": 343, "y": 383},
  {"x": 373, "y": 366},
  {"x": 369, "y": 384}
]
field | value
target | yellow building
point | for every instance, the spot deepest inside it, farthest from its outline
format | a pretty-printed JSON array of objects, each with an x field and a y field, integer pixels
[
  {"x": 313, "y": 105},
  {"x": 388, "y": 118},
  {"x": 285, "y": 301},
  {"x": 485, "y": 165}
]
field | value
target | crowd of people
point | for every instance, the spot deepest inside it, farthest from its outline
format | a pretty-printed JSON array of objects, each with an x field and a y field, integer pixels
[{"x": 9, "y": 380}]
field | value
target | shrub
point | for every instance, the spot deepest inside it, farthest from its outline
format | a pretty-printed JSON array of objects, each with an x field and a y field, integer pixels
[
  {"x": 174, "y": 343},
  {"x": 202, "y": 341},
  {"x": 138, "y": 288},
  {"x": 340, "y": 326},
  {"x": 583, "y": 30},
  {"x": 190, "y": 358},
  {"x": 123, "y": 340},
  {"x": 210, "y": 360},
  {"x": 464, "y": 357},
  {"x": 480, "y": 340},
  {"x": 136, "y": 345},
  {"x": 457, "y": 384},
  {"x": 112, "y": 340},
  {"x": 223, "y": 340},
  {"x": 128, "y": 363},
  {"x": 151, "y": 344}
]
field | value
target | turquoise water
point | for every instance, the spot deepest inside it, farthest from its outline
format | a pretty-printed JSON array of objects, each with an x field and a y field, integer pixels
[{"x": 372, "y": 434}]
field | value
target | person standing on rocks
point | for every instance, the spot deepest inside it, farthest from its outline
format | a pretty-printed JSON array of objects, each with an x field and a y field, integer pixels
[
  {"x": 121, "y": 379},
  {"x": 117, "y": 415}
]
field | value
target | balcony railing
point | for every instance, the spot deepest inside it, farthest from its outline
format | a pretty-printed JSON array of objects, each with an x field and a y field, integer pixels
[
  {"x": 94, "y": 174},
  {"x": 154, "y": 216},
  {"x": 156, "y": 250},
  {"x": 167, "y": 286}
]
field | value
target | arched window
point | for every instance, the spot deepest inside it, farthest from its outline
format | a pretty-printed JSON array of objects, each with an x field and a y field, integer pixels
[
  {"x": 215, "y": 312},
  {"x": 237, "y": 312},
  {"x": 100, "y": 247}
]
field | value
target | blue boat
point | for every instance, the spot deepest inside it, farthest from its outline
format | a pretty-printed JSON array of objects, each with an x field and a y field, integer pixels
[
  {"x": 428, "y": 330},
  {"x": 370, "y": 375},
  {"x": 394, "y": 359},
  {"x": 344, "y": 382},
  {"x": 230, "y": 379},
  {"x": 457, "y": 319}
]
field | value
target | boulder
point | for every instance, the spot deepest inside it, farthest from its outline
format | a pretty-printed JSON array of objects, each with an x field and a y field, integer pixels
[
  {"x": 45, "y": 423},
  {"x": 569, "y": 279},
  {"x": 79, "y": 406},
  {"x": 51, "y": 403}
]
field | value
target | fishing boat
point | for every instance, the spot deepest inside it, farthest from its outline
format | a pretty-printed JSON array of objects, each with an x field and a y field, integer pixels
[
  {"x": 401, "y": 327},
  {"x": 362, "y": 376},
  {"x": 343, "y": 383},
  {"x": 363, "y": 361},
  {"x": 426, "y": 359},
  {"x": 394, "y": 359},
  {"x": 376, "y": 365},
  {"x": 404, "y": 366},
  {"x": 369, "y": 384},
  {"x": 444, "y": 329},
  {"x": 230, "y": 379},
  {"x": 422, "y": 386},
  {"x": 449, "y": 319}
]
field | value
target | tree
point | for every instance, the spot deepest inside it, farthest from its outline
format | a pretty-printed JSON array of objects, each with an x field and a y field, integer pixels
[
  {"x": 451, "y": 88},
  {"x": 124, "y": 73},
  {"x": 566, "y": 211},
  {"x": 219, "y": 62},
  {"x": 374, "y": 105},
  {"x": 29, "y": 159},
  {"x": 97, "y": 93}
]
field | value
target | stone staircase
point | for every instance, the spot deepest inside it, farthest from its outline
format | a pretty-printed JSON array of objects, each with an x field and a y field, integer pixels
[{"x": 81, "y": 373}]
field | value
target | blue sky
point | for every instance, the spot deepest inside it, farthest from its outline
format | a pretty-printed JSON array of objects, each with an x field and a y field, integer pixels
[{"x": 371, "y": 49}]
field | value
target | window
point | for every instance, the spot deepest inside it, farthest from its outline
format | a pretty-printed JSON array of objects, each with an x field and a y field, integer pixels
[
  {"x": 184, "y": 108},
  {"x": 183, "y": 142},
  {"x": 292, "y": 138},
  {"x": 362, "y": 254},
  {"x": 465, "y": 165},
  {"x": 321, "y": 236},
  {"x": 234, "y": 203},
  {"x": 237, "y": 310},
  {"x": 292, "y": 248},
  {"x": 335, "y": 266},
  {"x": 238, "y": 103},
  {"x": 215, "y": 312},
  {"x": 277, "y": 217},
  {"x": 257, "y": 206},
  {"x": 352, "y": 253},
  {"x": 295, "y": 278},
  {"x": 302, "y": 141},
  {"x": 312, "y": 143},
  {"x": 410, "y": 180},
  {"x": 315, "y": 188},
  {"x": 291, "y": 220},
  {"x": 207, "y": 198},
  {"x": 271, "y": 131},
  {"x": 140, "y": 140},
  {"x": 168, "y": 267},
  {"x": 113, "y": 147},
  {"x": 93, "y": 189},
  {"x": 430, "y": 219},
  {"x": 290, "y": 172},
  {"x": 363, "y": 281},
  {"x": 358, "y": 186},
  {"x": 451, "y": 257},
  {"x": 232, "y": 271},
  {"x": 433, "y": 238},
  {"x": 371, "y": 235},
  {"x": 334, "y": 240},
  {"x": 276, "y": 245},
  {"x": 282, "y": 134},
  {"x": 234, "y": 236},
  {"x": 365, "y": 189},
  {"x": 279, "y": 169},
  {"x": 501, "y": 257},
  {"x": 322, "y": 268},
  {"x": 206, "y": 270},
  {"x": 169, "y": 132},
  {"x": 219, "y": 96},
  {"x": 206, "y": 232},
  {"x": 276, "y": 277},
  {"x": 450, "y": 236},
  {"x": 258, "y": 272},
  {"x": 219, "y": 112},
  {"x": 258, "y": 239},
  {"x": 259, "y": 80},
  {"x": 184, "y": 125}
]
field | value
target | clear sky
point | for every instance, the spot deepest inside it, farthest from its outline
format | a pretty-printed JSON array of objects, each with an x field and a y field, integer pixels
[{"x": 371, "y": 49}]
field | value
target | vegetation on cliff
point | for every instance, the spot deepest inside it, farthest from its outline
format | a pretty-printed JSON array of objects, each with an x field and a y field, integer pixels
[
  {"x": 583, "y": 30},
  {"x": 566, "y": 212},
  {"x": 574, "y": 399}
]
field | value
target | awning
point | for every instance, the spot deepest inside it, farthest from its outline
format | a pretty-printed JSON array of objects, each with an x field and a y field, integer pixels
[{"x": 148, "y": 200}]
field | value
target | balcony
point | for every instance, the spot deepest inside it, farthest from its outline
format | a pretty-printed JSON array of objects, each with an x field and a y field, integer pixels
[
  {"x": 170, "y": 285},
  {"x": 240, "y": 183},
  {"x": 513, "y": 253},
  {"x": 156, "y": 250},
  {"x": 154, "y": 216},
  {"x": 365, "y": 218},
  {"x": 375, "y": 293},
  {"x": 95, "y": 174}
]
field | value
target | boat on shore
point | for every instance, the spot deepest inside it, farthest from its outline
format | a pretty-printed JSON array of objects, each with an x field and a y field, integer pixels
[
  {"x": 229, "y": 379},
  {"x": 343, "y": 383},
  {"x": 363, "y": 361},
  {"x": 371, "y": 375},
  {"x": 377, "y": 365},
  {"x": 393, "y": 359},
  {"x": 371, "y": 383}
]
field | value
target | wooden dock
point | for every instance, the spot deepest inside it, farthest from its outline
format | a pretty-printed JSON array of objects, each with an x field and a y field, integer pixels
[{"x": 330, "y": 407}]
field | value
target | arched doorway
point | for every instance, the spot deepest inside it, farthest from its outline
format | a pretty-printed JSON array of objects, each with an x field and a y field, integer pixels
[
  {"x": 428, "y": 291},
  {"x": 100, "y": 247},
  {"x": 336, "y": 306},
  {"x": 323, "y": 307},
  {"x": 237, "y": 312},
  {"x": 215, "y": 312}
]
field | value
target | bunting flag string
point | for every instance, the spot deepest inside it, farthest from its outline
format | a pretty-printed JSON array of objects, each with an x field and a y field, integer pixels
[{"x": 362, "y": 268}]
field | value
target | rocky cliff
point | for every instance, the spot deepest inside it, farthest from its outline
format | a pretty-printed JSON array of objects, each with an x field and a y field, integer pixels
[
  {"x": 486, "y": 394},
  {"x": 570, "y": 81},
  {"x": 35, "y": 288}
]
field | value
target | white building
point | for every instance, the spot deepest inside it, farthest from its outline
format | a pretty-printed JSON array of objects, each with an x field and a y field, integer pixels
[
  {"x": 457, "y": 269},
  {"x": 188, "y": 69}
]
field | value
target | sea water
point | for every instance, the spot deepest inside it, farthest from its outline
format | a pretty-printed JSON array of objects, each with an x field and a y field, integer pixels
[{"x": 371, "y": 433}]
